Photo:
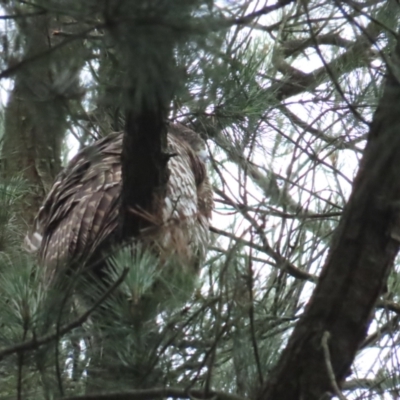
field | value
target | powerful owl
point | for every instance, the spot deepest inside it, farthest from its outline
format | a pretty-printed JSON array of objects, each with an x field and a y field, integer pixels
[{"x": 79, "y": 219}]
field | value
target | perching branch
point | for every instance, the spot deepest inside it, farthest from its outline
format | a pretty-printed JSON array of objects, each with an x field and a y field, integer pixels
[{"x": 157, "y": 393}]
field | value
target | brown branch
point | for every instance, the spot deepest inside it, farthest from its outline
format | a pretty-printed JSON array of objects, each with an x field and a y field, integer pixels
[
  {"x": 349, "y": 60},
  {"x": 328, "y": 69},
  {"x": 263, "y": 11},
  {"x": 144, "y": 161},
  {"x": 386, "y": 328},
  {"x": 157, "y": 393},
  {"x": 325, "y": 338},
  {"x": 144, "y": 168},
  {"x": 389, "y": 305},
  {"x": 291, "y": 47},
  {"x": 374, "y": 385},
  {"x": 21, "y": 64},
  {"x": 361, "y": 256},
  {"x": 338, "y": 143},
  {"x": 280, "y": 261}
]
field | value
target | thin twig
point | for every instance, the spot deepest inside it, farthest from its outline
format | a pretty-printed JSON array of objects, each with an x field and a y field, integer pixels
[
  {"x": 14, "y": 68},
  {"x": 251, "y": 318},
  {"x": 329, "y": 71},
  {"x": 383, "y": 330},
  {"x": 325, "y": 337},
  {"x": 21, "y": 365},
  {"x": 26, "y": 15},
  {"x": 281, "y": 263}
]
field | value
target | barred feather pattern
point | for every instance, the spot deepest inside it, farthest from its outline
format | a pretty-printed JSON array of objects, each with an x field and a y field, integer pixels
[{"x": 80, "y": 214}]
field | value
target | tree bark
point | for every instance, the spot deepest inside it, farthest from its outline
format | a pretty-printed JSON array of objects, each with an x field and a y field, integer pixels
[
  {"x": 36, "y": 113},
  {"x": 361, "y": 256},
  {"x": 144, "y": 168},
  {"x": 148, "y": 88},
  {"x": 143, "y": 91}
]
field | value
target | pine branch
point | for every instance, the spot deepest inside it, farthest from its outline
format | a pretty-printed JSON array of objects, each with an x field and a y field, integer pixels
[
  {"x": 354, "y": 57},
  {"x": 10, "y": 71},
  {"x": 281, "y": 262},
  {"x": 37, "y": 342}
]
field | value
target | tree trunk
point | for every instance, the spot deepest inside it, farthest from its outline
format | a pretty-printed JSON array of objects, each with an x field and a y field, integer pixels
[
  {"x": 361, "y": 256},
  {"x": 35, "y": 117}
]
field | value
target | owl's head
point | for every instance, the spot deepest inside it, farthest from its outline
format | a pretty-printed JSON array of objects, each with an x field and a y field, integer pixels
[{"x": 192, "y": 138}]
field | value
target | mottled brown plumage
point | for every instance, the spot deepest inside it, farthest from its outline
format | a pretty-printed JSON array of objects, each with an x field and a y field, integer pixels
[{"x": 79, "y": 217}]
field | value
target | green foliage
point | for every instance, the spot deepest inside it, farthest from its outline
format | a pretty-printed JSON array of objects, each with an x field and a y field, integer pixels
[{"x": 11, "y": 192}]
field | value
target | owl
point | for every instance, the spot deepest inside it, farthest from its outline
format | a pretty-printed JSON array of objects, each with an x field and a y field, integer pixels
[{"x": 78, "y": 222}]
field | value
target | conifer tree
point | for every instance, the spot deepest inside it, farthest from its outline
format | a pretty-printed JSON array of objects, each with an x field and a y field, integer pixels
[{"x": 299, "y": 103}]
